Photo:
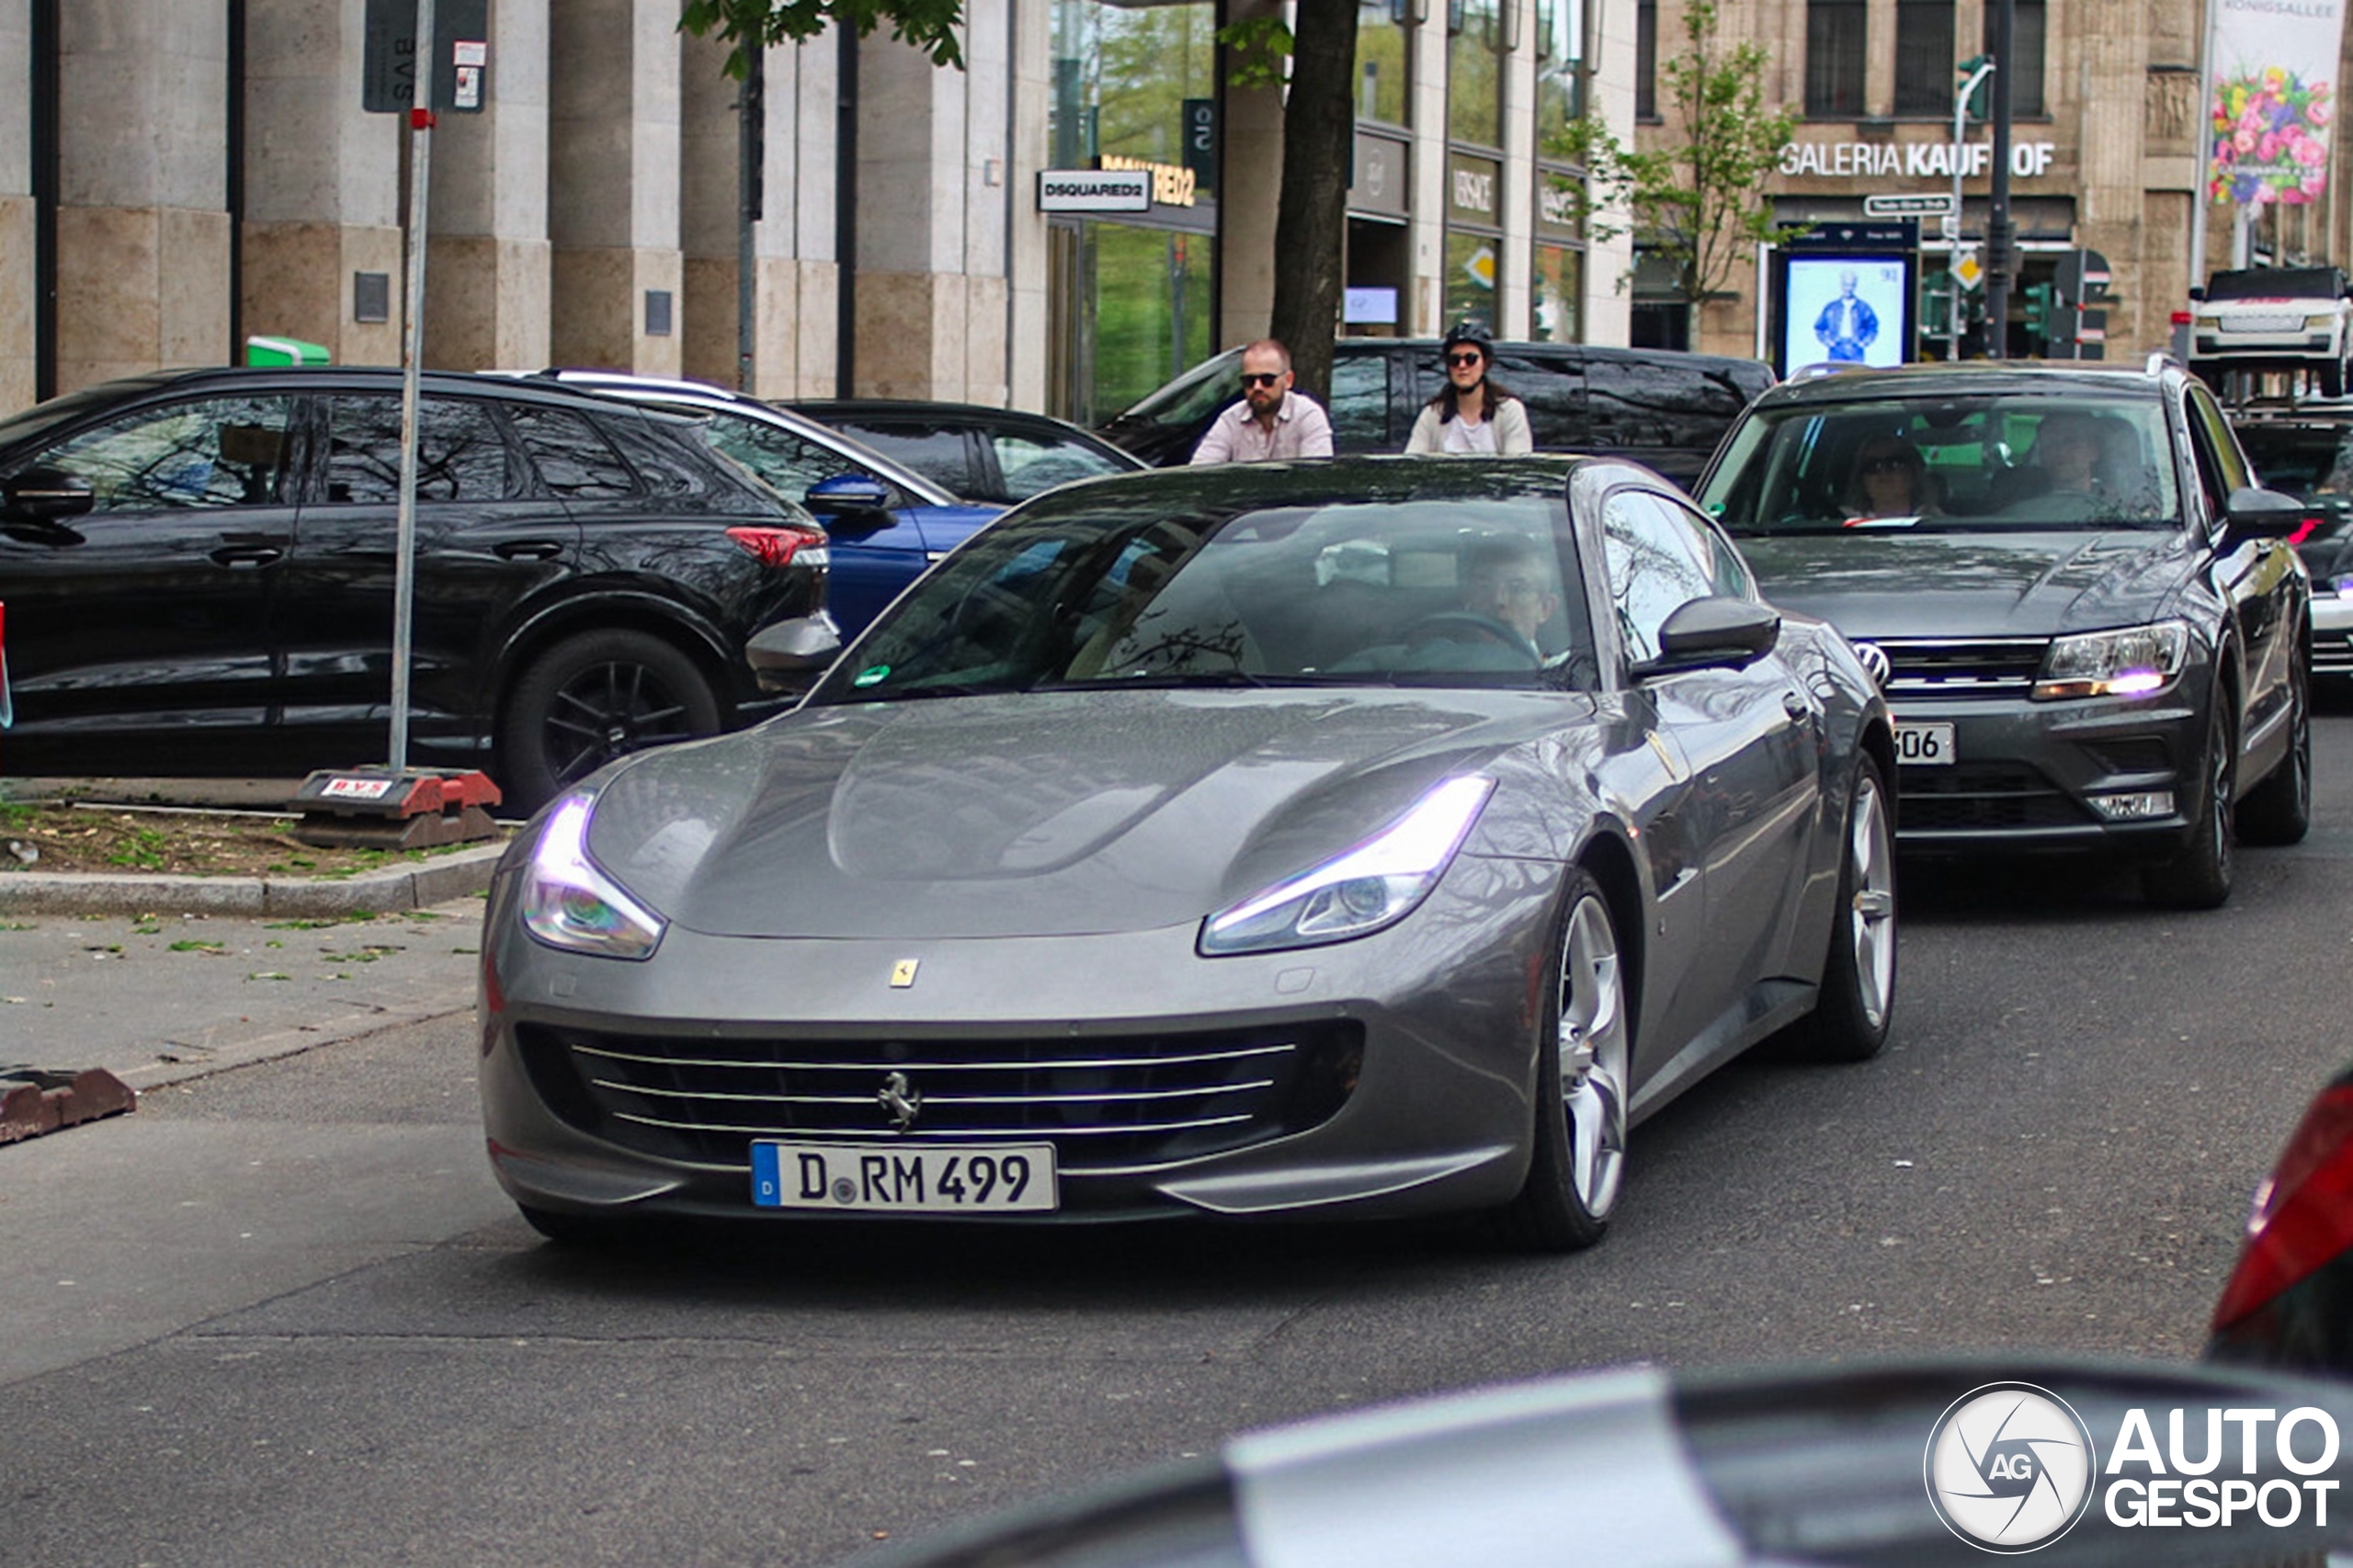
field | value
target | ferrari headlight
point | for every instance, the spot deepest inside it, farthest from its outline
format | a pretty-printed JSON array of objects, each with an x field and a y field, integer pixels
[
  {"x": 569, "y": 902},
  {"x": 1377, "y": 883},
  {"x": 2133, "y": 662}
]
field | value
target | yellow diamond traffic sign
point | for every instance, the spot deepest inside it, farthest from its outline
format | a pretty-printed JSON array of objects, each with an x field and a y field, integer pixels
[{"x": 1967, "y": 269}]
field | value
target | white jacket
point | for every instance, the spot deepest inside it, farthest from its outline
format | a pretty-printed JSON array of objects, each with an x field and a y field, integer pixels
[{"x": 1510, "y": 420}]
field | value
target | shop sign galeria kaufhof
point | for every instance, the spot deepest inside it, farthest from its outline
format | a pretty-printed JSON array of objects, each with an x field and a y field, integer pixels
[{"x": 1915, "y": 160}]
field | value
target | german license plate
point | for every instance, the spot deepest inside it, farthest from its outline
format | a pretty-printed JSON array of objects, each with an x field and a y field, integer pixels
[
  {"x": 1926, "y": 746},
  {"x": 906, "y": 1178}
]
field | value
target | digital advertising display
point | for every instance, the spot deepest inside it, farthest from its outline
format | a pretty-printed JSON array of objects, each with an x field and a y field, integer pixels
[{"x": 1845, "y": 310}]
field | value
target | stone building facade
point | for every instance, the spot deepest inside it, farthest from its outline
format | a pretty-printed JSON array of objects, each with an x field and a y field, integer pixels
[
  {"x": 177, "y": 175},
  {"x": 2105, "y": 145}
]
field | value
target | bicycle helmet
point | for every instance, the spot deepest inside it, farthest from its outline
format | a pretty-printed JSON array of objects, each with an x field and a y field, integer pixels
[{"x": 1472, "y": 333}]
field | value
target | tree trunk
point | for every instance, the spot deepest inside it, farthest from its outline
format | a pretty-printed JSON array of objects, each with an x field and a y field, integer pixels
[{"x": 1310, "y": 213}]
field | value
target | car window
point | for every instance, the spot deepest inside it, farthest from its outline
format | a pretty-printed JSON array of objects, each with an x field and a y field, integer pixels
[
  {"x": 938, "y": 452},
  {"x": 1359, "y": 406},
  {"x": 574, "y": 461},
  {"x": 461, "y": 453},
  {"x": 1948, "y": 464},
  {"x": 1032, "y": 465},
  {"x": 1119, "y": 589},
  {"x": 225, "y": 452},
  {"x": 1195, "y": 395},
  {"x": 1660, "y": 403},
  {"x": 662, "y": 470},
  {"x": 2221, "y": 467},
  {"x": 2310, "y": 461},
  {"x": 789, "y": 462},
  {"x": 1657, "y": 563}
]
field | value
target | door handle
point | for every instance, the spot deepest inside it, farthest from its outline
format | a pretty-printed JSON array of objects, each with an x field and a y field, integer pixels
[
  {"x": 528, "y": 549},
  {"x": 241, "y": 556}
]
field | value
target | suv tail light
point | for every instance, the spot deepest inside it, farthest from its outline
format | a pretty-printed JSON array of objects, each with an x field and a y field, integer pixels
[
  {"x": 2304, "y": 1211},
  {"x": 782, "y": 547}
]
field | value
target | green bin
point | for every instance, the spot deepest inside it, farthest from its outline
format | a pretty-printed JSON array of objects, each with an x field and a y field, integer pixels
[{"x": 284, "y": 351}]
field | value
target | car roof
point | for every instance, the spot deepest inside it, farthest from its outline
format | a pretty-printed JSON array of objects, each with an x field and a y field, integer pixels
[
  {"x": 1371, "y": 477},
  {"x": 1976, "y": 377}
]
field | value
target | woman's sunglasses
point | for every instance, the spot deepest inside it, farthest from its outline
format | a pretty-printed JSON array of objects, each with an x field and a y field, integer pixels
[
  {"x": 1888, "y": 465},
  {"x": 1470, "y": 358}
]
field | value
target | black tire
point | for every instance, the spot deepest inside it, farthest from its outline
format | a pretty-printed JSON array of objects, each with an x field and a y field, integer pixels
[
  {"x": 2279, "y": 809},
  {"x": 2332, "y": 379},
  {"x": 1577, "y": 1164},
  {"x": 2200, "y": 876},
  {"x": 590, "y": 698},
  {"x": 1851, "y": 1013}
]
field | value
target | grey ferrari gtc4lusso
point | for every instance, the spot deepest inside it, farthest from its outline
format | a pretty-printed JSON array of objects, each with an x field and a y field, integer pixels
[{"x": 1356, "y": 839}]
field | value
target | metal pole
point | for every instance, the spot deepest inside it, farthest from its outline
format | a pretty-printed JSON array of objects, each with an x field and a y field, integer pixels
[
  {"x": 751, "y": 152},
  {"x": 420, "y": 126},
  {"x": 2200, "y": 197},
  {"x": 1960, "y": 166},
  {"x": 1998, "y": 217}
]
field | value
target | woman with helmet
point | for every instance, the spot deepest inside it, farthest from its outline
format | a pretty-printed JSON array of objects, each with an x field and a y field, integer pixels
[{"x": 1471, "y": 414}]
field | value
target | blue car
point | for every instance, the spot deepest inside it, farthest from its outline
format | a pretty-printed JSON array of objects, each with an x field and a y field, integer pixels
[{"x": 885, "y": 521}]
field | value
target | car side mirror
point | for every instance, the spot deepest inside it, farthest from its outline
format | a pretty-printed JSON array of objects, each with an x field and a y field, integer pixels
[
  {"x": 1721, "y": 633},
  {"x": 2198, "y": 292},
  {"x": 2256, "y": 513},
  {"x": 44, "y": 495},
  {"x": 849, "y": 492},
  {"x": 790, "y": 654}
]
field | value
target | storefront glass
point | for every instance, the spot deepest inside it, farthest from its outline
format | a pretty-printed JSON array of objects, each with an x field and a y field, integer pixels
[
  {"x": 1150, "y": 289},
  {"x": 1381, "y": 60},
  {"x": 1471, "y": 279},
  {"x": 1122, "y": 77},
  {"x": 1475, "y": 98},
  {"x": 1559, "y": 295},
  {"x": 1560, "y": 74}
]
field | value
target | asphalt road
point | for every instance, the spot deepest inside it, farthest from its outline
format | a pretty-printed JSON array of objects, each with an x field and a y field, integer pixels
[{"x": 281, "y": 1316}]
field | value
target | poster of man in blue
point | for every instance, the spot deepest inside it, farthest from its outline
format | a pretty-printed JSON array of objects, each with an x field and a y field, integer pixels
[{"x": 1847, "y": 324}]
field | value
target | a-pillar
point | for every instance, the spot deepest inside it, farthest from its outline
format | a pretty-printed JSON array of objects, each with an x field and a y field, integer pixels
[
  {"x": 613, "y": 185},
  {"x": 18, "y": 371},
  {"x": 931, "y": 241},
  {"x": 143, "y": 221},
  {"x": 487, "y": 254},
  {"x": 794, "y": 309},
  {"x": 323, "y": 180}
]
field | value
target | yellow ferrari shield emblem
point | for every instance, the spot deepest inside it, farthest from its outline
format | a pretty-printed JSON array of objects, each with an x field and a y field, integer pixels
[{"x": 902, "y": 974}]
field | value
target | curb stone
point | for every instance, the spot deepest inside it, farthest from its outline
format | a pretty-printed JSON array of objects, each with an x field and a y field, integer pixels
[{"x": 455, "y": 875}]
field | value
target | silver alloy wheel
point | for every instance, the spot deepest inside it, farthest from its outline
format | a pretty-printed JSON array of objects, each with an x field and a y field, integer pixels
[
  {"x": 1593, "y": 1045},
  {"x": 1870, "y": 913}
]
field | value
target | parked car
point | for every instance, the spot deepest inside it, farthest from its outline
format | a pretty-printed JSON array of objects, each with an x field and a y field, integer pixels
[
  {"x": 1663, "y": 409},
  {"x": 2274, "y": 318},
  {"x": 885, "y": 521},
  {"x": 199, "y": 569},
  {"x": 985, "y": 455},
  {"x": 1362, "y": 838},
  {"x": 2305, "y": 450},
  {"x": 2288, "y": 1302},
  {"x": 2095, "y": 634},
  {"x": 1929, "y": 1461}
]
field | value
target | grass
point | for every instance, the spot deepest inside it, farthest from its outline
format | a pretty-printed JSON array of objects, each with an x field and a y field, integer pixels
[{"x": 142, "y": 848}]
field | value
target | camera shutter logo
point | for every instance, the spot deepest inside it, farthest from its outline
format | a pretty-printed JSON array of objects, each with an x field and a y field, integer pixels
[{"x": 2010, "y": 1467}]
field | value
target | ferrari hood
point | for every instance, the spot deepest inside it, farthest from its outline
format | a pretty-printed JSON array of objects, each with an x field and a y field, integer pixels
[
  {"x": 1031, "y": 815},
  {"x": 1896, "y": 583}
]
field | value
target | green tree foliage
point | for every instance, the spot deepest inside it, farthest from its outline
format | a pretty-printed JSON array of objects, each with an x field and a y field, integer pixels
[
  {"x": 929, "y": 25},
  {"x": 1697, "y": 200}
]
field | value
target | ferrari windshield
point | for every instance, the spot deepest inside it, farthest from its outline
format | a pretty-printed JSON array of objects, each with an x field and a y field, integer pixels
[
  {"x": 1114, "y": 584},
  {"x": 1948, "y": 465}
]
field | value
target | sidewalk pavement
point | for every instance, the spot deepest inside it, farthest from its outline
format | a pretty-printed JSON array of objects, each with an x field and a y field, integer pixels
[{"x": 158, "y": 979}]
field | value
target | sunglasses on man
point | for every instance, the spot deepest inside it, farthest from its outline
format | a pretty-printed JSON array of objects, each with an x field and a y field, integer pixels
[{"x": 1261, "y": 377}]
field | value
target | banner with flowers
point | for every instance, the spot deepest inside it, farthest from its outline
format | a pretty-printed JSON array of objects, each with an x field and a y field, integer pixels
[{"x": 2271, "y": 99}]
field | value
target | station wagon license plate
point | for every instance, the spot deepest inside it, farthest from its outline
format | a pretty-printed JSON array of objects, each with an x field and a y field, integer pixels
[
  {"x": 906, "y": 1178},
  {"x": 1926, "y": 746}
]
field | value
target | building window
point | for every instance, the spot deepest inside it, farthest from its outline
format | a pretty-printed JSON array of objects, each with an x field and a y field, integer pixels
[
  {"x": 1646, "y": 60},
  {"x": 1924, "y": 80},
  {"x": 1560, "y": 72},
  {"x": 1474, "y": 71},
  {"x": 1381, "y": 60},
  {"x": 1834, "y": 59},
  {"x": 2027, "y": 20}
]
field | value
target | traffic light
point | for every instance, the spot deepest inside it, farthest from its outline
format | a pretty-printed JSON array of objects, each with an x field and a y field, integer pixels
[
  {"x": 1969, "y": 83},
  {"x": 2040, "y": 298}
]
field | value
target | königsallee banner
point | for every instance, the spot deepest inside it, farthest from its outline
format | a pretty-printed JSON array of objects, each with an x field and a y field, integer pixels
[{"x": 2271, "y": 99}]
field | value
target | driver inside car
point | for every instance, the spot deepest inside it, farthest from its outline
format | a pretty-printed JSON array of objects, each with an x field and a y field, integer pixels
[{"x": 1504, "y": 580}]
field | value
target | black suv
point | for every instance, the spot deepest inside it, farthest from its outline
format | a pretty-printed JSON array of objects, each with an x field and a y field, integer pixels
[
  {"x": 198, "y": 568},
  {"x": 1664, "y": 409},
  {"x": 2091, "y": 626}
]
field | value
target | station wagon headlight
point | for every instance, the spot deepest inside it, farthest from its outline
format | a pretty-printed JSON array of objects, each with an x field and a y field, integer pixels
[
  {"x": 569, "y": 902},
  {"x": 1377, "y": 883},
  {"x": 2131, "y": 662}
]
